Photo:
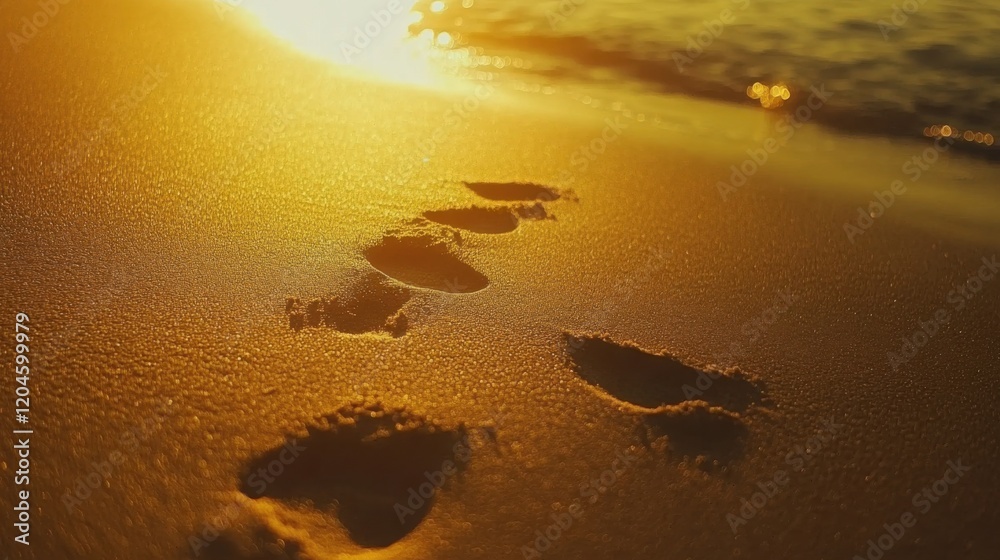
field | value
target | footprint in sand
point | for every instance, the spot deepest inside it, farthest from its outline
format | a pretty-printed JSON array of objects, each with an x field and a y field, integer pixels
[
  {"x": 352, "y": 473},
  {"x": 420, "y": 256},
  {"x": 373, "y": 304},
  {"x": 699, "y": 410},
  {"x": 425, "y": 261},
  {"x": 493, "y": 220},
  {"x": 357, "y": 467},
  {"x": 514, "y": 191}
]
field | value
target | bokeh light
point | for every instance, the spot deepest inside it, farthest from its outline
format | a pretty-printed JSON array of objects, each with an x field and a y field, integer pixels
[
  {"x": 949, "y": 131},
  {"x": 770, "y": 97}
]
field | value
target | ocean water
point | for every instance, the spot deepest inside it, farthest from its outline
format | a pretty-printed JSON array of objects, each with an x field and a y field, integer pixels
[
  {"x": 894, "y": 68},
  {"x": 895, "y": 74}
]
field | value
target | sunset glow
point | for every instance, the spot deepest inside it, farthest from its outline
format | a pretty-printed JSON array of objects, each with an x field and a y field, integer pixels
[{"x": 372, "y": 36}]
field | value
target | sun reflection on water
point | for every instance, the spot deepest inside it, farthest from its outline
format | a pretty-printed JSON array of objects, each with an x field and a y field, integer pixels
[{"x": 373, "y": 36}]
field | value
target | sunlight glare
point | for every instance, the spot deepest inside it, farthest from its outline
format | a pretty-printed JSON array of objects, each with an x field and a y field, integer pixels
[{"x": 370, "y": 35}]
